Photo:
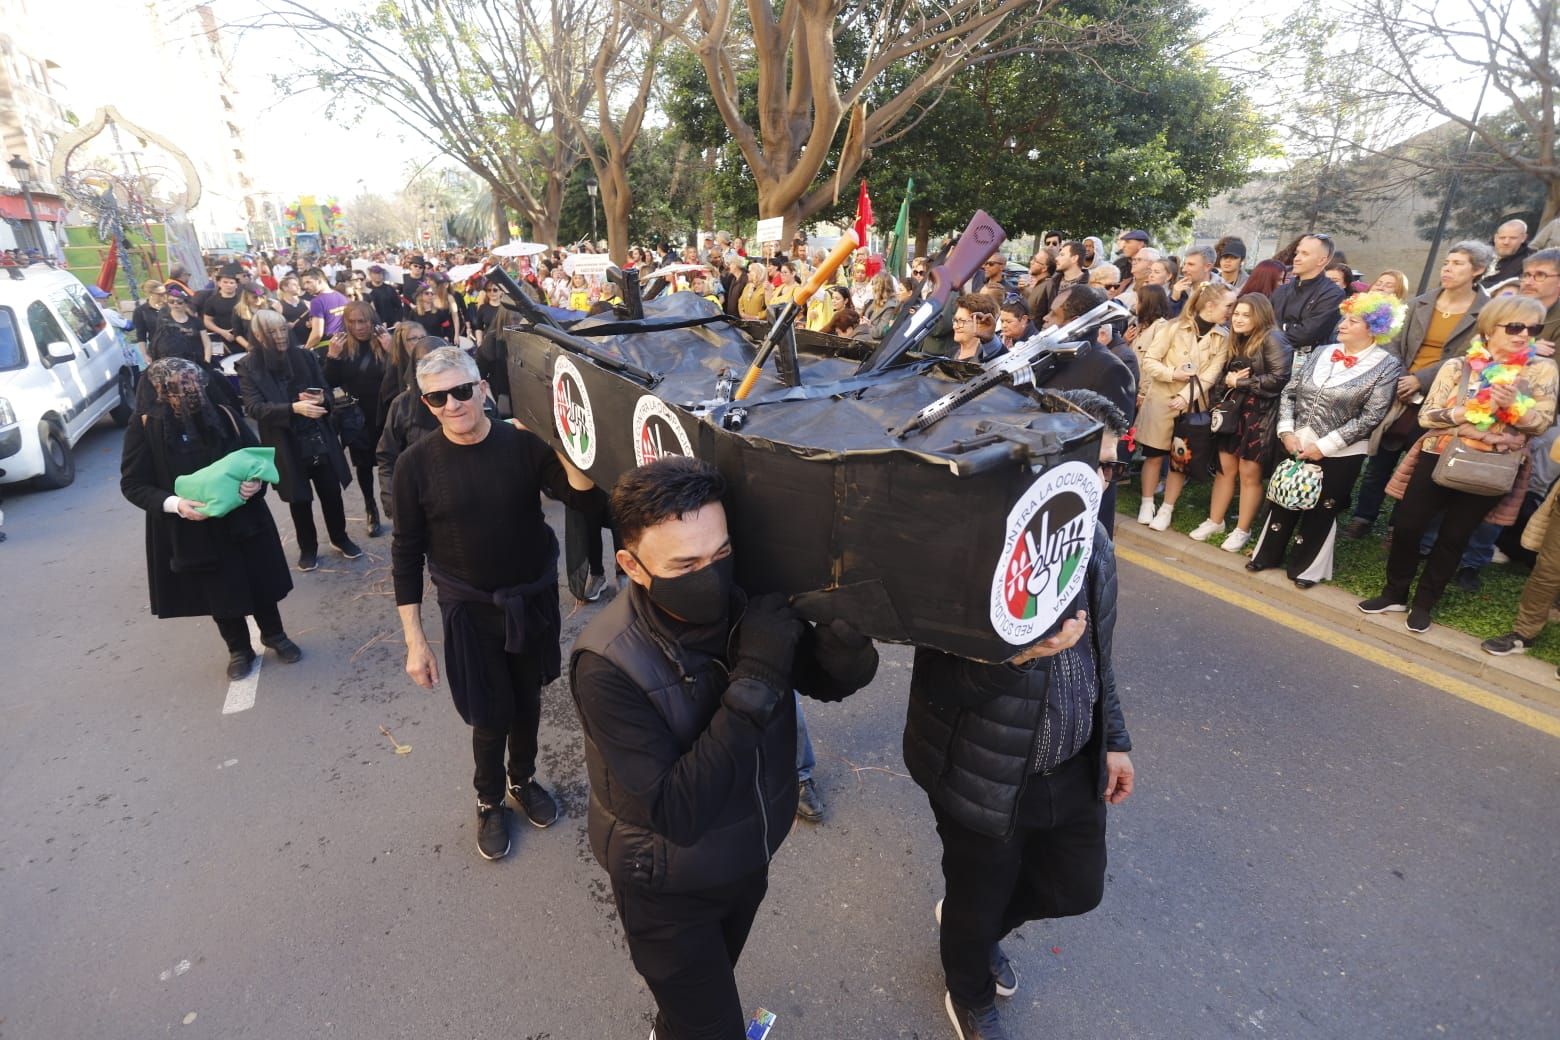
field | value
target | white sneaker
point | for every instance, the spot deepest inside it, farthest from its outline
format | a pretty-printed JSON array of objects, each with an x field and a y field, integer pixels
[
  {"x": 1161, "y": 520},
  {"x": 1236, "y": 541},
  {"x": 1206, "y": 530},
  {"x": 1146, "y": 511},
  {"x": 1498, "y": 558}
]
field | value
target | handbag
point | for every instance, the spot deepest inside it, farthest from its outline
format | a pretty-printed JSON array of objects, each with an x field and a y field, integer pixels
[
  {"x": 1226, "y": 414},
  {"x": 1191, "y": 444},
  {"x": 346, "y": 415},
  {"x": 1296, "y": 485},
  {"x": 1476, "y": 471}
]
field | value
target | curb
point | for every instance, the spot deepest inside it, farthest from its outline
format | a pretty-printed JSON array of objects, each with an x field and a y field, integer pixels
[{"x": 1518, "y": 676}]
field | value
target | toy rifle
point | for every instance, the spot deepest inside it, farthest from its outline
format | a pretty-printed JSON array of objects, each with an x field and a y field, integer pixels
[
  {"x": 1016, "y": 366},
  {"x": 781, "y": 326},
  {"x": 982, "y": 238}
]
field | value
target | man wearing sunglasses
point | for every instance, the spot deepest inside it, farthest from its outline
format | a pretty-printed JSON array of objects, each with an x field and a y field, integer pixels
[
  {"x": 1019, "y": 761},
  {"x": 467, "y": 500}
]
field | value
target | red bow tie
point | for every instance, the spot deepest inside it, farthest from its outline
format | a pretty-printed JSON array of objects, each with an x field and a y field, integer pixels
[{"x": 1347, "y": 359}]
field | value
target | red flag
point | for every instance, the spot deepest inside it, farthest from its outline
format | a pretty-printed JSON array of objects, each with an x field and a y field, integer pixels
[{"x": 863, "y": 215}]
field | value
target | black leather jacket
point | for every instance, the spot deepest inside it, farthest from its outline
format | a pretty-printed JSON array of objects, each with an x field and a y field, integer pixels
[
  {"x": 1269, "y": 367},
  {"x": 971, "y": 728}
]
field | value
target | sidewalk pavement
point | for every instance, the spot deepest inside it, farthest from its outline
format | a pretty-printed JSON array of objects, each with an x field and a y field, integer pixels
[{"x": 1446, "y": 650}]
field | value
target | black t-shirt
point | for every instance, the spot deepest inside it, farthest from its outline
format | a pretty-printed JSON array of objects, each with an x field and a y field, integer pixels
[
  {"x": 220, "y": 310},
  {"x": 437, "y": 323},
  {"x": 485, "y": 314},
  {"x": 475, "y": 510},
  {"x": 297, "y": 315}
]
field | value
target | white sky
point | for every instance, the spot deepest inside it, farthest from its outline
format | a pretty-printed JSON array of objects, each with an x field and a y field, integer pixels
[{"x": 294, "y": 146}]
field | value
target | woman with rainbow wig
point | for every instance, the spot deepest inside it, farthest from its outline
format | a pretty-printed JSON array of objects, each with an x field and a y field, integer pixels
[
  {"x": 1328, "y": 414},
  {"x": 1508, "y": 396}
]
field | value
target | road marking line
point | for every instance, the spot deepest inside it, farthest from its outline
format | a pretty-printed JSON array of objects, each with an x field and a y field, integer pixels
[
  {"x": 241, "y": 692},
  {"x": 1458, "y": 688}
]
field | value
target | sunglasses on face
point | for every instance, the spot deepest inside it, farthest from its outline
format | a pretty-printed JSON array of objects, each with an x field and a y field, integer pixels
[
  {"x": 1517, "y": 328},
  {"x": 439, "y": 398},
  {"x": 1114, "y": 471}
]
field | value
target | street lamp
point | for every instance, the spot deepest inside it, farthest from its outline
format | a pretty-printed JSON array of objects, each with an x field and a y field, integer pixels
[
  {"x": 591, "y": 188},
  {"x": 23, "y": 172}
]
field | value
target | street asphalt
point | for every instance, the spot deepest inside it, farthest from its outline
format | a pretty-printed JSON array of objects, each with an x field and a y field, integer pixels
[{"x": 1317, "y": 847}]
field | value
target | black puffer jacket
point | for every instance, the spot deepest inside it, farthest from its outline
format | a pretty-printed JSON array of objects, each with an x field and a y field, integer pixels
[
  {"x": 971, "y": 730},
  {"x": 685, "y": 793}
]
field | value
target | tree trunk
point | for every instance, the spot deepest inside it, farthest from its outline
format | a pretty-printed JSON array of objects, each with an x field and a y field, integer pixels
[
  {"x": 707, "y": 215},
  {"x": 923, "y": 231},
  {"x": 500, "y": 221},
  {"x": 1551, "y": 203}
]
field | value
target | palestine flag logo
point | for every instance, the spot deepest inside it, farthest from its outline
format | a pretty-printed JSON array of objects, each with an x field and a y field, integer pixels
[
  {"x": 1045, "y": 554},
  {"x": 572, "y": 414},
  {"x": 657, "y": 431}
]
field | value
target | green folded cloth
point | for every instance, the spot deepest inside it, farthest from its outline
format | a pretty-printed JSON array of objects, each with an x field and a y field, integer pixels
[{"x": 217, "y": 484}]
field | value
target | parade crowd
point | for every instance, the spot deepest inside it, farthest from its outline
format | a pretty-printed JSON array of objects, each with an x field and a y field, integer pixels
[{"x": 1303, "y": 391}]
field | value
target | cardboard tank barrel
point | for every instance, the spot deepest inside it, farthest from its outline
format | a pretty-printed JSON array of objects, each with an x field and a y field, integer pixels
[{"x": 971, "y": 536}]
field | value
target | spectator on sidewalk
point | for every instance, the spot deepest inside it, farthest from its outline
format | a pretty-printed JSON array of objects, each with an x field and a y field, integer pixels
[
  {"x": 1333, "y": 403},
  {"x": 1192, "y": 349},
  {"x": 1256, "y": 374},
  {"x": 1306, "y": 306},
  {"x": 1439, "y": 325},
  {"x": 1542, "y": 536},
  {"x": 1509, "y": 397},
  {"x": 1510, "y": 250}
]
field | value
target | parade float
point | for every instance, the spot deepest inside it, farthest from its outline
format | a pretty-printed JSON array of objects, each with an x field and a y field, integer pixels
[{"x": 930, "y": 501}]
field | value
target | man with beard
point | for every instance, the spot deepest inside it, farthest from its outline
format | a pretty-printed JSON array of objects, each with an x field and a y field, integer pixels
[{"x": 684, "y": 691}]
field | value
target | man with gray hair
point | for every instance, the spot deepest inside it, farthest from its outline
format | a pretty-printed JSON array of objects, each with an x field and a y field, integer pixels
[
  {"x": 467, "y": 500},
  {"x": 1511, "y": 248},
  {"x": 1196, "y": 269}
]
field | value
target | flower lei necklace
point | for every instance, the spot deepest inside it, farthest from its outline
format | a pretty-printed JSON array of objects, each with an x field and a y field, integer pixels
[{"x": 1479, "y": 409}]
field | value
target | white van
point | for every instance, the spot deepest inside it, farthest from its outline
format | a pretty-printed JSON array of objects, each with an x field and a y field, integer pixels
[{"x": 61, "y": 370}]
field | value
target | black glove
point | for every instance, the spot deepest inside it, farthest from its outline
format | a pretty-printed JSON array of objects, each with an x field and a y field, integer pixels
[
  {"x": 844, "y": 654},
  {"x": 766, "y": 645}
]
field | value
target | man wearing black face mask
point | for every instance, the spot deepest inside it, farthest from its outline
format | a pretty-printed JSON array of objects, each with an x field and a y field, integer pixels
[{"x": 683, "y": 687}]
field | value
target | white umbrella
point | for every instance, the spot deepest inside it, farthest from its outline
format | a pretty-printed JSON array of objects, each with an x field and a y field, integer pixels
[
  {"x": 462, "y": 272},
  {"x": 671, "y": 269},
  {"x": 519, "y": 249}
]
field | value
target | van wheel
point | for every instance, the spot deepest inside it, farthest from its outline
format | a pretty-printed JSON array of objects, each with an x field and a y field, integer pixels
[
  {"x": 122, "y": 411},
  {"x": 59, "y": 465}
]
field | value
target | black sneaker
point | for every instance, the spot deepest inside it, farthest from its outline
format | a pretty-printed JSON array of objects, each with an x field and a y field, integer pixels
[
  {"x": 1002, "y": 972},
  {"x": 285, "y": 648},
  {"x": 1468, "y": 579},
  {"x": 1382, "y": 605},
  {"x": 492, "y": 831},
  {"x": 594, "y": 587},
  {"x": 239, "y": 663},
  {"x": 539, "y": 806},
  {"x": 348, "y": 548},
  {"x": 1418, "y": 620},
  {"x": 308, "y": 559},
  {"x": 974, "y": 1023},
  {"x": 1510, "y": 643},
  {"x": 809, "y": 805}
]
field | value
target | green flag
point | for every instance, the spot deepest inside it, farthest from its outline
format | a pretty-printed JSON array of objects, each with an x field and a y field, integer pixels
[{"x": 899, "y": 240}]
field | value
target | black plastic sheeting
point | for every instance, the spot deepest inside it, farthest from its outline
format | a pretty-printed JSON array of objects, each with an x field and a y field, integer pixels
[{"x": 970, "y": 537}]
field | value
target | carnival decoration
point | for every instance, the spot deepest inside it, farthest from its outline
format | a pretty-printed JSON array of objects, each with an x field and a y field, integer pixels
[{"x": 1479, "y": 409}]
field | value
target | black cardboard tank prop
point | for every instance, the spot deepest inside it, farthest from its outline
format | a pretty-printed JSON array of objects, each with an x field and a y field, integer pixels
[{"x": 928, "y": 501}]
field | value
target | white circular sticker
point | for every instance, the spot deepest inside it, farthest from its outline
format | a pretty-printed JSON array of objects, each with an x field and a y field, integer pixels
[
  {"x": 657, "y": 431},
  {"x": 572, "y": 414},
  {"x": 1045, "y": 555}
]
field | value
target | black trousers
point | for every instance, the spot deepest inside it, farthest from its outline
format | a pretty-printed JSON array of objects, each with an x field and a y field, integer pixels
[
  {"x": 1314, "y": 525},
  {"x": 235, "y": 631},
  {"x": 1052, "y": 866},
  {"x": 1462, "y": 514},
  {"x": 323, "y": 478},
  {"x": 364, "y": 464},
  {"x": 512, "y": 675},
  {"x": 685, "y": 946}
]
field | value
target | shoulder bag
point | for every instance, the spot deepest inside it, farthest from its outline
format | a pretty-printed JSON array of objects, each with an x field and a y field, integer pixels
[
  {"x": 1296, "y": 485},
  {"x": 1191, "y": 445},
  {"x": 1474, "y": 470}
]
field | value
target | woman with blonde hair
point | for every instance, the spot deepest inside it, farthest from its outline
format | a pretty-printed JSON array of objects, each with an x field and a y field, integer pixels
[
  {"x": 753, "y": 301},
  {"x": 1190, "y": 351},
  {"x": 1492, "y": 399},
  {"x": 1391, "y": 281},
  {"x": 251, "y": 301},
  {"x": 1255, "y": 375},
  {"x": 883, "y": 308}
]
